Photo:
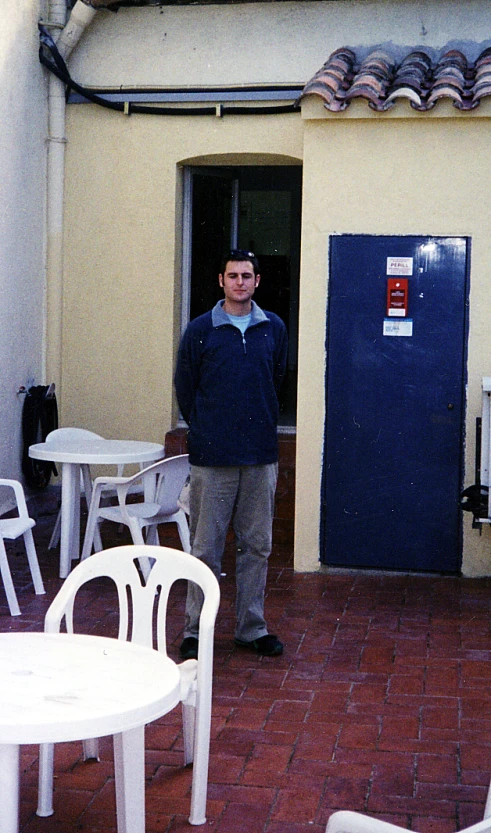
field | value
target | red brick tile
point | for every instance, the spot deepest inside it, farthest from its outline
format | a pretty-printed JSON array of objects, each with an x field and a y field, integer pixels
[
  {"x": 364, "y": 693},
  {"x": 286, "y": 711},
  {"x": 174, "y": 782},
  {"x": 248, "y": 717},
  {"x": 317, "y": 745},
  {"x": 226, "y": 769},
  {"x": 433, "y": 825},
  {"x": 476, "y": 756},
  {"x": 380, "y": 656},
  {"x": 358, "y": 736},
  {"x": 437, "y": 769},
  {"x": 238, "y": 794},
  {"x": 390, "y": 803},
  {"x": 293, "y": 827},
  {"x": 478, "y": 670},
  {"x": 394, "y": 778},
  {"x": 301, "y": 805},
  {"x": 399, "y": 727},
  {"x": 444, "y": 718},
  {"x": 406, "y": 684},
  {"x": 442, "y": 680},
  {"x": 242, "y": 818},
  {"x": 469, "y": 814},
  {"x": 266, "y": 766},
  {"x": 343, "y": 792}
]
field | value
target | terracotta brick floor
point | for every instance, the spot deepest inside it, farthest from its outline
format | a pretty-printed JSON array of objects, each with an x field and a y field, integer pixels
[{"x": 381, "y": 703}]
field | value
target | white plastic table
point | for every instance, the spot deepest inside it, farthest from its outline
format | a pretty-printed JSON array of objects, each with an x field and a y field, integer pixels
[
  {"x": 65, "y": 687},
  {"x": 75, "y": 455}
]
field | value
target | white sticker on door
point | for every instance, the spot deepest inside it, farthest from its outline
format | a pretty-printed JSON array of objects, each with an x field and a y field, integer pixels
[
  {"x": 399, "y": 266},
  {"x": 398, "y": 328}
]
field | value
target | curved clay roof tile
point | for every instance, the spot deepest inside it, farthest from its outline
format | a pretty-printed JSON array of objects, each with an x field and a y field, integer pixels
[
  {"x": 445, "y": 91},
  {"x": 382, "y": 82},
  {"x": 366, "y": 92},
  {"x": 481, "y": 90},
  {"x": 403, "y": 92},
  {"x": 369, "y": 80},
  {"x": 453, "y": 56}
]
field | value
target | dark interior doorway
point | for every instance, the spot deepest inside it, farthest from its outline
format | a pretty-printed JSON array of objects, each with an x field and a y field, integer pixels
[{"x": 257, "y": 208}]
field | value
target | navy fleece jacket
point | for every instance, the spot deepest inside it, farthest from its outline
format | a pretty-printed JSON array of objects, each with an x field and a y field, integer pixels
[{"x": 227, "y": 387}]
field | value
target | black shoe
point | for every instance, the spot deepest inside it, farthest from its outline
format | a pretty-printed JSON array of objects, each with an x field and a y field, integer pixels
[
  {"x": 189, "y": 648},
  {"x": 267, "y": 646}
]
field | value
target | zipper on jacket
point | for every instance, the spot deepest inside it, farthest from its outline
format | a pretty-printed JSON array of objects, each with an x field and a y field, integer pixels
[{"x": 244, "y": 342}]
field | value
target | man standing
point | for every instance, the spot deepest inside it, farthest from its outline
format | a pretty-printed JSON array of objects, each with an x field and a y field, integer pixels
[{"x": 230, "y": 366}]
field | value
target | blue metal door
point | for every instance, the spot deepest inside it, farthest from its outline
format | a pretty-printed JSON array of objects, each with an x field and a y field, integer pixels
[{"x": 393, "y": 450}]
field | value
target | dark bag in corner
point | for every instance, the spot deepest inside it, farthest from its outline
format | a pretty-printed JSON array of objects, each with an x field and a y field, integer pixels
[
  {"x": 475, "y": 499},
  {"x": 39, "y": 417}
]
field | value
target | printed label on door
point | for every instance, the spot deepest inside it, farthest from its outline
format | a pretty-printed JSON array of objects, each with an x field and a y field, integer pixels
[
  {"x": 399, "y": 266},
  {"x": 398, "y": 328}
]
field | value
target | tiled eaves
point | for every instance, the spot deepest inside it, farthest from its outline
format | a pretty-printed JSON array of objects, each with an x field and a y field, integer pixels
[{"x": 381, "y": 80}]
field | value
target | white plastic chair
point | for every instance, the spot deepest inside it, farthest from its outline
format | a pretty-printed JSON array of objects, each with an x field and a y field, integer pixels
[
  {"x": 347, "y": 821},
  {"x": 163, "y": 482},
  {"x": 11, "y": 528},
  {"x": 86, "y": 481},
  {"x": 140, "y": 605}
]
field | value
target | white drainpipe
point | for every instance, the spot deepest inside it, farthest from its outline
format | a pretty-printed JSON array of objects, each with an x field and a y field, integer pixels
[{"x": 71, "y": 33}]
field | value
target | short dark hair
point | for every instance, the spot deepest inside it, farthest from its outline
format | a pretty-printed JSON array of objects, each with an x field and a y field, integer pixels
[{"x": 238, "y": 255}]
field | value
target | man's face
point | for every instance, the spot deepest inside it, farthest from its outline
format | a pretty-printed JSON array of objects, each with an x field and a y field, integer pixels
[{"x": 239, "y": 281}]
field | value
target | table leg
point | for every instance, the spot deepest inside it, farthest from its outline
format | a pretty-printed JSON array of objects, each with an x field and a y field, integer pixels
[
  {"x": 9, "y": 788},
  {"x": 129, "y": 764},
  {"x": 70, "y": 517}
]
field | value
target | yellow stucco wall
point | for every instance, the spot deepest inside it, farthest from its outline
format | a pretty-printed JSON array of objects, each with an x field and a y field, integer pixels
[
  {"x": 397, "y": 173},
  {"x": 122, "y": 255}
]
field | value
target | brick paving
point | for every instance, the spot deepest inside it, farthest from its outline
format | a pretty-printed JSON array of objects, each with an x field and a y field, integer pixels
[{"x": 381, "y": 703}]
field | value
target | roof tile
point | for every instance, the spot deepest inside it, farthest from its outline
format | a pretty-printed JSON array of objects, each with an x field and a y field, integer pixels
[{"x": 381, "y": 81}]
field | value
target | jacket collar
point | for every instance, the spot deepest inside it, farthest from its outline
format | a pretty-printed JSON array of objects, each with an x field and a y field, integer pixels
[{"x": 219, "y": 317}]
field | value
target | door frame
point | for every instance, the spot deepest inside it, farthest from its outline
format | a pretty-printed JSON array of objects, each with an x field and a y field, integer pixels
[{"x": 187, "y": 224}]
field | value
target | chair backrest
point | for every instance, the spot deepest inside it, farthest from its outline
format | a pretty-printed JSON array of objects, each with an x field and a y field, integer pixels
[
  {"x": 167, "y": 478},
  {"x": 172, "y": 475},
  {"x": 72, "y": 434},
  {"x": 20, "y": 500},
  {"x": 141, "y": 603}
]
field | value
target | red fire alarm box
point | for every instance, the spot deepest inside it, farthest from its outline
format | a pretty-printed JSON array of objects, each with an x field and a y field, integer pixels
[{"x": 397, "y": 290}]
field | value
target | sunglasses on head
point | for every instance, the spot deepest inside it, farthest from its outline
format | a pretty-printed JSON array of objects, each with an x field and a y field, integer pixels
[{"x": 240, "y": 254}]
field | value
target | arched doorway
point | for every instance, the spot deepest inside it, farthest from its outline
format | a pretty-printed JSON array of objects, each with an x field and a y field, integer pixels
[{"x": 254, "y": 207}]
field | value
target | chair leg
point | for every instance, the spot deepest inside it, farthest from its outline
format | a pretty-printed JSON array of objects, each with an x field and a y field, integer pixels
[
  {"x": 91, "y": 749},
  {"x": 55, "y": 537},
  {"x": 188, "y": 729},
  {"x": 153, "y": 535},
  {"x": 90, "y": 541},
  {"x": 487, "y": 809},
  {"x": 183, "y": 529},
  {"x": 7, "y": 581},
  {"x": 201, "y": 758},
  {"x": 87, "y": 481},
  {"x": 45, "y": 785},
  {"x": 33, "y": 563}
]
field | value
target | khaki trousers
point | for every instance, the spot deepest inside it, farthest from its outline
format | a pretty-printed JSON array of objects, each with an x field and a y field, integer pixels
[{"x": 243, "y": 496}]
